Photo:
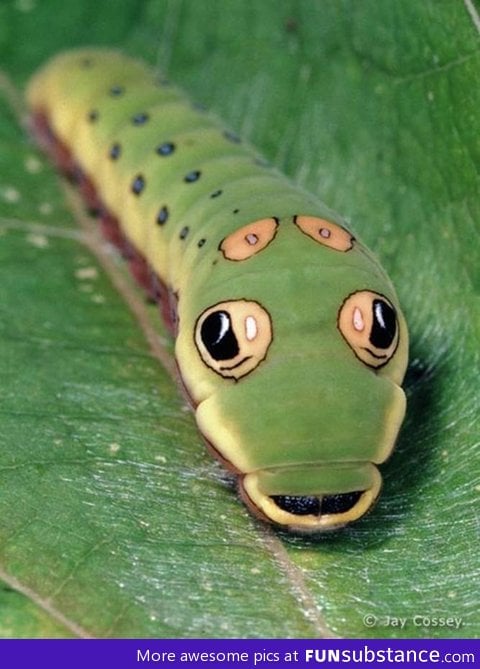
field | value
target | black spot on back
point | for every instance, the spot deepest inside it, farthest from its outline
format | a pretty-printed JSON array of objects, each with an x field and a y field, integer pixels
[
  {"x": 140, "y": 119},
  {"x": 184, "y": 232},
  {"x": 216, "y": 193},
  {"x": 92, "y": 116},
  {"x": 162, "y": 215},
  {"x": 138, "y": 184},
  {"x": 115, "y": 91},
  {"x": 201, "y": 243},
  {"x": 192, "y": 176},
  {"x": 115, "y": 151},
  {"x": 165, "y": 149}
]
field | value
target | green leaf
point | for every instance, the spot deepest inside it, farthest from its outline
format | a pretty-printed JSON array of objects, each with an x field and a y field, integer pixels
[
  {"x": 21, "y": 618},
  {"x": 113, "y": 519}
]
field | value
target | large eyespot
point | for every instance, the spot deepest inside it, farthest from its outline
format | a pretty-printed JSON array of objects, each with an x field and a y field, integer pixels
[
  {"x": 368, "y": 322},
  {"x": 325, "y": 232},
  {"x": 249, "y": 240},
  {"x": 233, "y": 337}
]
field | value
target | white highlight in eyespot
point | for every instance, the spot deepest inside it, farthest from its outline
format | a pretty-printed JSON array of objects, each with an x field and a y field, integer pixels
[
  {"x": 325, "y": 233},
  {"x": 224, "y": 326},
  {"x": 251, "y": 329},
  {"x": 358, "y": 322},
  {"x": 252, "y": 239},
  {"x": 379, "y": 315}
]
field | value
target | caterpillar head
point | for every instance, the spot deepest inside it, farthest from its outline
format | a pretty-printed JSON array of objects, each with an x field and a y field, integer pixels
[{"x": 302, "y": 357}]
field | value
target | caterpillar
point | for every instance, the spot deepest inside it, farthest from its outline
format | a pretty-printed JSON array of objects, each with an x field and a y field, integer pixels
[{"x": 289, "y": 338}]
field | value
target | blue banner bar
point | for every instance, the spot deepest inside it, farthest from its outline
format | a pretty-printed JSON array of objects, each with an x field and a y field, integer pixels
[{"x": 235, "y": 653}]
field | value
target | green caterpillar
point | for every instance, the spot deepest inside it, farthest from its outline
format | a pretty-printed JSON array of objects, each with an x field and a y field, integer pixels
[{"x": 289, "y": 337}]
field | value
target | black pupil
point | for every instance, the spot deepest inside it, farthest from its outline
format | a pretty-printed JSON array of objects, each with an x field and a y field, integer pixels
[
  {"x": 218, "y": 336},
  {"x": 384, "y": 324}
]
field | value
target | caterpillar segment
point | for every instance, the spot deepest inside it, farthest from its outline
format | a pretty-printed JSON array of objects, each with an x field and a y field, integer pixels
[{"x": 289, "y": 337}]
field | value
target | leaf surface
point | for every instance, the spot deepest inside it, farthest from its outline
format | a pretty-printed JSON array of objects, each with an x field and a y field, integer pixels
[{"x": 114, "y": 519}]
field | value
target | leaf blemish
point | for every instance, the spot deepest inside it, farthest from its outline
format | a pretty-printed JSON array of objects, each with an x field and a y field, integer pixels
[
  {"x": 37, "y": 240},
  {"x": 32, "y": 165},
  {"x": 10, "y": 194},
  {"x": 45, "y": 208},
  {"x": 86, "y": 273}
]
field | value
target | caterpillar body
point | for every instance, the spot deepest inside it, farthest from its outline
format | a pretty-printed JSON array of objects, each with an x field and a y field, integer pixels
[{"x": 289, "y": 337}]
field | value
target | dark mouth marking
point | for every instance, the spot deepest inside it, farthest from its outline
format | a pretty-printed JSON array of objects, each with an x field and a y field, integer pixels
[
  {"x": 341, "y": 503},
  {"x": 298, "y": 505},
  {"x": 379, "y": 357},
  {"x": 304, "y": 505},
  {"x": 237, "y": 365}
]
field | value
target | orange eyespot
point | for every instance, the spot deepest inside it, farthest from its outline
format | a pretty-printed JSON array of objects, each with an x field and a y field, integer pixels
[
  {"x": 249, "y": 240},
  {"x": 325, "y": 233},
  {"x": 233, "y": 337},
  {"x": 368, "y": 322}
]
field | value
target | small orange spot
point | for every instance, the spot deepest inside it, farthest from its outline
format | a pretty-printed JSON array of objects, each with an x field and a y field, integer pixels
[
  {"x": 325, "y": 232},
  {"x": 249, "y": 240}
]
